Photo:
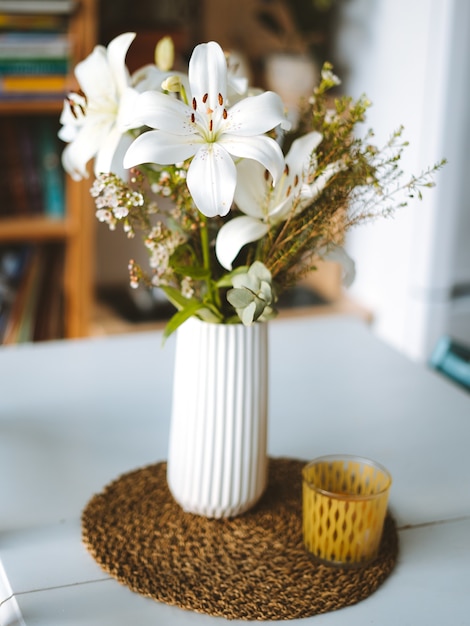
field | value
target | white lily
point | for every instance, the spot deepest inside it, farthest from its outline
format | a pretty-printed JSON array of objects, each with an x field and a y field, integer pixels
[
  {"x": 96, "y": 120},
  {"x": 207, "y": 132},
  {"x": 265, "y": 205}
]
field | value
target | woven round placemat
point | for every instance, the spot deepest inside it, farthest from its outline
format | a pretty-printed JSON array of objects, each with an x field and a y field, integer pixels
[{"x": 251, "y": 567}]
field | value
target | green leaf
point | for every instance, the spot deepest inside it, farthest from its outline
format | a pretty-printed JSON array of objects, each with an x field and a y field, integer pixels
[
  {"x": 177, "y": 299},
  {"x": 204, "y": 312},
  {"x": 180, "y": 317},
  {"x": 210, "y": 314},
  {"x": 198, "y": 273}
]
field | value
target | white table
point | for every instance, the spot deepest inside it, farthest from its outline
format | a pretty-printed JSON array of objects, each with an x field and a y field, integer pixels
[{"x": 74, "y": 415}]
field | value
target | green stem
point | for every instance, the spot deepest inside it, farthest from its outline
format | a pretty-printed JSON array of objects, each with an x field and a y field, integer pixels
[
  {"x": 206, "y": 259},
  {"x": 184, "y": 95}
]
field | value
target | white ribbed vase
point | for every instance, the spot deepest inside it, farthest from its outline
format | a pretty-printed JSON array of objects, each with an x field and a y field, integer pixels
[{"x": 217, "y": 458}]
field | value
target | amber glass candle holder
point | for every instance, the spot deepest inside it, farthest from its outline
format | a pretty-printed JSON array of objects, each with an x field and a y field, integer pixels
[{"x": 344, "y": 507}]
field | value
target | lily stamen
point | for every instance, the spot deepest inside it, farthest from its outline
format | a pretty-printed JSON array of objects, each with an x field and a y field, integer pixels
[
  {"x": 81, "y": 93},
  {"x": 74, "y": 105}
]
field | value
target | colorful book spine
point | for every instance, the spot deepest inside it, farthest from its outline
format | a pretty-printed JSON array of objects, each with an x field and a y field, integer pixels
[
  {"x": 15, "y": 167},
  {"x": 30, "y": 170},
  {"x": 27, "y": 45},
  {"x": 33, "y": 22},
  {"x": 51, "y": 172},
  {"x": 53, "y": 84},
  {"x": 7, "y": 204},
  {"x": 33, "y": 67},
  {"x": 37, "y": 6}
]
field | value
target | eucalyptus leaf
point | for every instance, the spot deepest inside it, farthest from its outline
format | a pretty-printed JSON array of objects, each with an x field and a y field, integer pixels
[
  {"x": 226, "y": 280},
  {"x": 248, "y": 314},
  {"x": 260, "y": 271},
  {"x": 239, "y": 298}
]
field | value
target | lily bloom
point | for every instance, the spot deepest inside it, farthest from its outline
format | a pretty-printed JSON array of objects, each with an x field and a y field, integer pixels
[
  {"x": 265, "y": 205},
  {"x": 96, "y": 119},
  {"x": 207, "y": 132}
]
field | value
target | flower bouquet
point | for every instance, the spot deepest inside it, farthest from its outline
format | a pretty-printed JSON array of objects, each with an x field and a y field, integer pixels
[{"x": 232, "y": 207}]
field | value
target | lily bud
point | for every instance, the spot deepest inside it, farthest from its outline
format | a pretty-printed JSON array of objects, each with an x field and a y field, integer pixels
[
  {"x": 165, "y": 54},
  {"x": 172, "y": 84}
]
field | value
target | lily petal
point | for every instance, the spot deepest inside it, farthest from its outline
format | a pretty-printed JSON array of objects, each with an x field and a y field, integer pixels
[
  {"x": 207, "y": 73},
  {"x": 310, "y": 192},
  {"x": 280, "y": 211},
  {"x": 125, "y": 116},
  {"x": 260, "y": 148},
  {"x": 84, "y": 147},
  {"x": 70, "y": 124},
  {"x": 255, "y": 115},
  {"x": 116, "y": 52},
  {"x": 250, "y": 192},
  {"x": 211, "y": 180},
  {"x": 156, "y": 146},
  {"x": 109, "y": 157},
  {"x": 158, "y": 110},
  {"x": 95, "y": 78},
  {"x": 234, "y": 235},
  {"x": 300, "y": 153}
]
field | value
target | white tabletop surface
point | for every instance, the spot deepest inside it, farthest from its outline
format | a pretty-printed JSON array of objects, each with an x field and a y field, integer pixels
[{"x": 74, "y": 415}]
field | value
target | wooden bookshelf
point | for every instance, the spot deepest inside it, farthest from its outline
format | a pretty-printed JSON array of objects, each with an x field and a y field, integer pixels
[{"x": 73, "y": 232}]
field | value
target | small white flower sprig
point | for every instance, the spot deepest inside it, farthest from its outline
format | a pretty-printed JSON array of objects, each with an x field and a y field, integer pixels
[{"x": 233, "y": 209}]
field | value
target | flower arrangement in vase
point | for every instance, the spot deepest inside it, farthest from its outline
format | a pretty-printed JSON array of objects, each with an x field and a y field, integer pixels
[{"x": 249, "y": 209}]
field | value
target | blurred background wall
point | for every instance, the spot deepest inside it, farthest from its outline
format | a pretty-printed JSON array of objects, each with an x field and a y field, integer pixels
[{"x": 413, "y": 61}]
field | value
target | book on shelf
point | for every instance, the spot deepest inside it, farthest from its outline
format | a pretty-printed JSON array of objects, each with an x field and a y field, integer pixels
[
  {"x": 17, "y": 85},
  {"x": 13, "y": 260},
  {"x": 48, "y": 323},
  {"x": 33, "y": 308},
  {"x": 52, "y": 175},
  {"x": 25, "y": 128},
  {"x": 6, "y": 193},
  {"x": 33, "y": 67},
  {"x": 15, "y": 171},
  {"x": 23, "y": 298},
  {"x": 34, "y": 64},
  {"x": 37, "y": 6},
  {"x": 31, "y": 175},
  {"x": 32, "y": 22},
  {"x": 20, "y": 327},
  {"x": 30, "y": 45}
]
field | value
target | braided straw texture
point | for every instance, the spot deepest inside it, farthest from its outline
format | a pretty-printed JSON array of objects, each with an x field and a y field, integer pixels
[{"x": 251, "y": 567}]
